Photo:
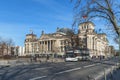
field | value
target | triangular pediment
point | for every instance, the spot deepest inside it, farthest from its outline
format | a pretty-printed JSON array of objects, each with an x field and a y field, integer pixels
[{"x": 45, "y": 37}]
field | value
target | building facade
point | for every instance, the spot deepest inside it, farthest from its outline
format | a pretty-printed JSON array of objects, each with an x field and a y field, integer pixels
[
  {"x": 47, "y": 43},
  {"x": 31, "y": 44},
  {"x": 21, "y": 51},
  {"x": 111, "y": 51},
  {"x": 96, "y": 44}
]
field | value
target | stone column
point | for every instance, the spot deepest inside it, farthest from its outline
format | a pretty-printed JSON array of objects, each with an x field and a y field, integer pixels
[
  {"x": 44, "y": 46},
  {"x": 47, "y": 46},
  {"x": 50, "y": 45},
  {"x": 39, "y": 45},
  {"x": 95, "y": 47}
]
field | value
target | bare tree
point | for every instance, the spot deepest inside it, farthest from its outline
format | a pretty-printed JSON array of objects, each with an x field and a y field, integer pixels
[
  {"x": 2, "y": 47},
  {"x": 9, "y": 44},
  {"x": 107, "y": 10},
  {"x": 71, "y": 34},
  {"x": 5, "y": 46}
]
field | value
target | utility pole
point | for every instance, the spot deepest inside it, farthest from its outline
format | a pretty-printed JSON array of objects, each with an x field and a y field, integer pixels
[
  {"x": 119, "y": 41},
  {"x": 119, "y": 44}
]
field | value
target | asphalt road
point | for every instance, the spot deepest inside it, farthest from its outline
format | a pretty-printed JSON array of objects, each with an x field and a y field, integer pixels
[{"x": 84, "y": 70}]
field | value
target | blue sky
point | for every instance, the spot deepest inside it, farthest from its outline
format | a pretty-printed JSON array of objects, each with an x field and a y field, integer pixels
[{"x": 18, "y": 17}]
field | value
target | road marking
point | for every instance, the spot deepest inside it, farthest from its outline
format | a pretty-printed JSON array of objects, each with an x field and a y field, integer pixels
[
  {"x": 89, "y": 66},
  {"x": 38, "y": 77},
  {"x": 74, "y": 69},
  {"x": 42, "y": 68},
  {"x": 70, "y": 70}
]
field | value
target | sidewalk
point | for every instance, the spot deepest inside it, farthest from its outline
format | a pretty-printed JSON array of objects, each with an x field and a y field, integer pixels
[
  {"x": 111, "y": 73},
  {"x": 28, "y": 61},
  {"x": 115, "y": 75}
]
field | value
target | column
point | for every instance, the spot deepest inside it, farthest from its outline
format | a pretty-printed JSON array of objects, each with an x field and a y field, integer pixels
[
  {"x": 47, "y": 46},
  {"x": 95, "y": 47},
  {"x": 50, "y": 45},
  {"x": 40, "y": 46},
  {"x": 25, "y": 48},
  {"x": 44, "y": 46}
]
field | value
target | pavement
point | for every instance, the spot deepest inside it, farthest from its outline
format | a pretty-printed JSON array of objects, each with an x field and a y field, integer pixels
[
  {"x": 26, "y": 61},
  {"x": 113, "y": 75},
  {"x": 84, "y": 70},
  {"x": 116, "y": 75},
  {"x": 47, "y": 71}
]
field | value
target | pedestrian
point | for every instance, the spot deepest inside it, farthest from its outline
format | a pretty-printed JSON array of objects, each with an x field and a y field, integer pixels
[
  {"x": 47, "y": 57},
  {"x": 30, "y": 59}
]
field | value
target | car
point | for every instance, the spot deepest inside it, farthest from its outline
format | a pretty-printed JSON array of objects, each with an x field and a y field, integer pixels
[{"x": 71, "y": 59}]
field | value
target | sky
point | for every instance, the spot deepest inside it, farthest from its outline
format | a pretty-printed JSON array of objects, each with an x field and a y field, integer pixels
[{"x": 18, "y": 17}]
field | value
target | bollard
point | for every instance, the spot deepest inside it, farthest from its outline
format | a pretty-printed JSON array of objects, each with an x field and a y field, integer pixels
[{"x": 104, "y": 75}]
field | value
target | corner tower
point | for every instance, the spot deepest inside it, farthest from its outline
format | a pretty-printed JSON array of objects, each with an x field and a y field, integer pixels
[{"x": 86, "y": 27}]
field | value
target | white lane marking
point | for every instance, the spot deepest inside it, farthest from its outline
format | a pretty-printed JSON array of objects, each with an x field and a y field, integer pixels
[
  {"x": 75, "y": 69},
  {"x": 38, "y": 77},
  {"x": 70, "y": 70},
  {"x": 89, "y": 66},
  {"x": 101, "y": 74},
  {"x": 42, "y": 68}
]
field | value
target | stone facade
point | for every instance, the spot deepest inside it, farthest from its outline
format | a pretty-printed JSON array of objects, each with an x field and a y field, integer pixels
[
  {"x": 46, "y": 44},
  {"x": 21, "y": 51},
  {"x": 111, "y": 51},
  {"x": 96, "y": 44},
  {"x": 49, "y": 43},
  {"x": 31, "y": 44}
]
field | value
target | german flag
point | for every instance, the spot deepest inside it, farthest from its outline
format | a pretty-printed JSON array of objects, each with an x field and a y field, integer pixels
[{"x": 85, "y": 16}]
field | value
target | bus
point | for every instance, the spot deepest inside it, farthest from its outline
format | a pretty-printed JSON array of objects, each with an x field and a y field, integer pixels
[{"x": 76, "y": 55}]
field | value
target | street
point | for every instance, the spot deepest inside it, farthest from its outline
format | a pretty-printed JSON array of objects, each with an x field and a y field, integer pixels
[{"x": 84, "y": 70}]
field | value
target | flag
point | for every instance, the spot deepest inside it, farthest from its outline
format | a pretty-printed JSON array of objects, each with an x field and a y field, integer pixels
[{"x": 85, "y": 16}]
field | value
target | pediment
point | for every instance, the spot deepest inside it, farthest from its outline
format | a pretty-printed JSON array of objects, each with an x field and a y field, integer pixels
[
  {"x": 59, "y": 34},
  {"x": 45, "y": 37}
]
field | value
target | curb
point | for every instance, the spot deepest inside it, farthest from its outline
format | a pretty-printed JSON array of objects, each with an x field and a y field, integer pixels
[{"x": 103, "y": 74}]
